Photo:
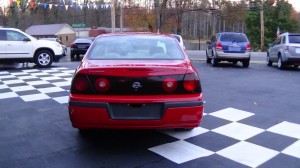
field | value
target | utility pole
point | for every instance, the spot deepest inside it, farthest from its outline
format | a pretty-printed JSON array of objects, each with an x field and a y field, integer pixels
[
  {"x": 113, "y": 16},
  {"x": 213, "y": 17},
  {"x": 262, "y": 27}
]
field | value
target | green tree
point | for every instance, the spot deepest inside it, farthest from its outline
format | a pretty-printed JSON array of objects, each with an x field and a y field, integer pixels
[{"x": 278, "y": 16}]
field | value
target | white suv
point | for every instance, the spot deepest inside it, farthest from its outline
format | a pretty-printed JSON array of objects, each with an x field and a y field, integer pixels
[
  {"x": 285, "y": 50},
  {"x": 17, "y": 46}
]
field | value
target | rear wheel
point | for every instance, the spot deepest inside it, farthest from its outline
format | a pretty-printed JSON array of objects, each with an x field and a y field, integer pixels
[
  {"x": 72, "y": 56},
  {"x": 280, "y": 63},
  {"x": 246, "y": 63},
  {"x": 214, "y": 62},
  {"x": 269, "y": 62},
  {"x": 208, "y": 60},
  {"x": 43, "y": 58}
]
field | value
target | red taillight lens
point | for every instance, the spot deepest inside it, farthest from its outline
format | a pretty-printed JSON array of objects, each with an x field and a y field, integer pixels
[
  {"x": 169, "y": 85},
  {"x": 248, "y": 47},
  {"x": 73, "y": 45},
  {"x": 81, "y": 84},
  {"x": 219, "y": 46},
  {"x": 191, "y": 82},
  {"x": 286, "y": 48},
  {"x": 102, "y": 85}
]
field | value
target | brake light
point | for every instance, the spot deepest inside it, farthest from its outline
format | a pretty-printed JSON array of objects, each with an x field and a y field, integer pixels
[
  {"x": 169, "y": 85},
  {"x": 102, "y": 85},
  {"x": 73, "y": 45},
  {"x": 191, "y": 83},
  {"x": 81, "y": 84},
  {"x": 286, "y": 48},
  {"x": 219, "y": 46},
  {"x": 248, "y": 48}
]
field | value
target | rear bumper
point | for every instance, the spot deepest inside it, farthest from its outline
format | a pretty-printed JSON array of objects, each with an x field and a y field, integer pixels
[
  {"x": 98, "y": 115},
  {"x": 221, "y": 55}
]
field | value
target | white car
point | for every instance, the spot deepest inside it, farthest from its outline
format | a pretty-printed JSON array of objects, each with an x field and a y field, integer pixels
[
  {"x": 17, "y": 46},
  {"x": 179, "y": 39}
]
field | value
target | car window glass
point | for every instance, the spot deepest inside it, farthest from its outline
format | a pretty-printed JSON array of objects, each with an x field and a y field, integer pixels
[
  {"x": 2, "y": 35},
  {"x": 283, "y": 40},
  {"x": 15, "y": 36},
  {"x": 135, "y": 47},
  {"x": 294, "y": 38},
  {"x": 233, "y": 37}
]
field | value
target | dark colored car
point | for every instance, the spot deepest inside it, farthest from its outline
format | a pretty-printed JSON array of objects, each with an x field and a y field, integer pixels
[
  {"x": 135, "y": 81},
  {"x": 229, "y": 46},
  {"x": 79, "y": 47}
]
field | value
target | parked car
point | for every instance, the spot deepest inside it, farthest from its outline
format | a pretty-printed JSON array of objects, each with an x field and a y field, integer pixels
[
  {"x": 180, "y": 40},
  {"x": 57, "y": 40},
  {"x": 229, "y": 46},
  {"x": 17, "y": 46},
  {"x": 285, "y": 50},
  {"x": 135, "y": 81},
  {"x": 79, "y": 47}
]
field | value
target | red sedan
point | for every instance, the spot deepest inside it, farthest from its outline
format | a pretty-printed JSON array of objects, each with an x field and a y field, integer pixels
[{"x": 135, "y": 81}]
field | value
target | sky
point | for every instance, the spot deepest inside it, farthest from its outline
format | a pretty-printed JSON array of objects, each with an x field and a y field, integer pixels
[{"x": 296, "y": 4}]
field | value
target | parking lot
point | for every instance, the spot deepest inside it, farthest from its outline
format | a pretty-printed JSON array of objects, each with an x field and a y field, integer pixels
[{"x": 252, "y": 120}]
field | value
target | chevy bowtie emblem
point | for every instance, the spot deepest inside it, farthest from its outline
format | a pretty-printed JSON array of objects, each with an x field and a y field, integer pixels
[{"x": 136, "y": 85}]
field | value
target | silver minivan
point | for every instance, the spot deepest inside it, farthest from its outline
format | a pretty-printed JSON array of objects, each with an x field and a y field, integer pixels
[{"x": 285, "y": 50}]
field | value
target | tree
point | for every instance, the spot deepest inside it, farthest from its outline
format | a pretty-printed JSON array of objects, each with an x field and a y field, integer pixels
[{"x": 279, "y": 16}]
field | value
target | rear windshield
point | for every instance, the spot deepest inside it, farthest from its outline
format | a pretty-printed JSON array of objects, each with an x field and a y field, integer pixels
[
  {"x": 233, "y": 37},
  {"x": 294, "y": 38},
  {"x": 135, "y": 47}
]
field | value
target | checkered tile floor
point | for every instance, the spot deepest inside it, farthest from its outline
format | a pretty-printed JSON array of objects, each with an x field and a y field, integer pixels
[
  {"x": 36, "y": 84},
  {"x": 236, "y": 136}
]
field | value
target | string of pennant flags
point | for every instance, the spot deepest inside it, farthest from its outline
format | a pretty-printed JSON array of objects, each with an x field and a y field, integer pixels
[{"x": 70, "y": 4}]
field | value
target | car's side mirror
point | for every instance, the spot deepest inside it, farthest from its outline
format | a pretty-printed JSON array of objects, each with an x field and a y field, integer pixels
[
  {"x": 208, "y": 42},
  {"x": 26, "y": 39},
  {"x": 270, "y": 45}
]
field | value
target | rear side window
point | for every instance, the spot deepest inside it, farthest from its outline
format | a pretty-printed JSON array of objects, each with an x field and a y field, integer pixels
[
  {"x": 294, "y": 38},
  {"x": 135, "y": 47},
  {"x": 233, "y": 37}
]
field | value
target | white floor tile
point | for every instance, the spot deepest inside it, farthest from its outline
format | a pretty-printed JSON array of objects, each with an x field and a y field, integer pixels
[
  {"x": 248, "y": 154},
  {"x": 6, "y": 76},
  {"x": 37, "y": 82},
  {"x": 62, "y": 84},
  {"x": 40, "y": 74},
  {"x": 61, "y": 74},
  {"x": 31, "y": 70},
  {"x": 27, "y": 77},
  {"x": 7, "y": 82},
  {"x": 4, "y": 72},
  {"x": 19, "y": 73},
  {"x": 51, "y": 90},
  {"x": 232, "y": 114},
  {"x": 293, "y": 150},
  {"x": 3, "y": 86},
  {"x": 185, "y": 134},
  {"x": 238, "y": 131},
  {"x": 181, "y": 151},
  {"x": 287, "y": 129},
  {"x": 50, "y": 78},
  {"x": 62, "y": 100},
  {"x": 8, "y": 95},
  {"x": 69, "y": 71},
  {"x": 34, "y": 97},
  {"x": 22, "y": 88},
  {"x": 50, "y": 70},
  {"x": 60, "y": 68}
]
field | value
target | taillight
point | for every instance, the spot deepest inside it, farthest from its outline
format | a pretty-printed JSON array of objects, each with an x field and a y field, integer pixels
[
  {"x": 102, "y": 85},
  {"x": 219, "y": 46},
  {"x": 286, "y": 48},
  {"x": 191, "y": 83},
  {"x": 73, "y": 45},
  {"x": 81, "y": 84},
  {"x": 169, "y": 85},
  {"x": 248, "y": 48}
]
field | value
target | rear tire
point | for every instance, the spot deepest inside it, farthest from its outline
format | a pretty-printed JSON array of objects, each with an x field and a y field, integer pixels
[
  {"x": 208, "y": 60},
  {"x": 269, "y": 62},
  {"x": 43, "y": 58},
  {"x": 280, "y": 63},
  {"x": 246, "y": 63}
]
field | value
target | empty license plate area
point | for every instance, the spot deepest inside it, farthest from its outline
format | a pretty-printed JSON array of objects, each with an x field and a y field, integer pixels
[
  {"x": 235, "y": 48},
  {"x": 136, "y": 111}
]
